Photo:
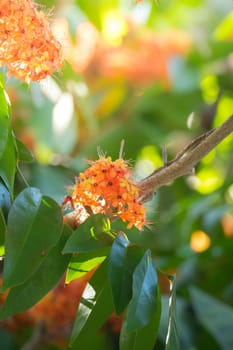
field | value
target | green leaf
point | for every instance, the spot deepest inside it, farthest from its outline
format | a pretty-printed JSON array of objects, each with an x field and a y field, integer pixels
[
  {"x": 2, "y": 228},
  {"x": 96, "y": 10},
  {"x": 7, "y": 151},
  {"x": 224, "y": 29},
  {"x": 34, "y": 227},
  {"x": 172, "y": 338},
  {"x": 23, "y": 154},
  {"x": 41, "y": 282},
  {"x": 5, "y": 200},
  {"x": 81, "y": 264},
  {"x": 4, "y": 120},
  {"x": 94, "y": 235},
  {"x": 94, "y": 309},
  {"x": 183, "y": 318},
  {"x": 123, "y": 259},
  {"x": 145, "y": 293},
  {"x": 145, "y": 337},
  {"x": 215, "y": 316},
  {"x": 7, "y": 341},
  {"x": 4, "y": 130},
  {"x": 97, "y": 341},
  {"x": 8, "y": 162},
  {"x": 217, "y": 49}
]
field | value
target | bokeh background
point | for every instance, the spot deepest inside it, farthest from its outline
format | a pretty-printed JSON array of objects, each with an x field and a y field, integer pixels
[{"x": 152, "y": 73}]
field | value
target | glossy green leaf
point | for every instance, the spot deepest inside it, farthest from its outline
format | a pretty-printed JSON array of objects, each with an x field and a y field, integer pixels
[
  {"x": 123, "y": 259},
  {"x": 81, "y": 264},
  {"x": 145, "y": 293},
  {"x": 33, "y": 229},
  {"x": 145, "y": 337},
  {"x": 8, "y": 163},
  {"x": 4, "y": 120},
  {"x": 94, "y": 309},
  {"x": 23, "y": 154},
  {"x": 215, "y": 316},
  {"x": 41, "y": 282},
  {"x": 94, "y": 235}
]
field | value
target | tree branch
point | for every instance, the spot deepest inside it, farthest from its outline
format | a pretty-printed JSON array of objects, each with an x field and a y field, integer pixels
[{"x": 185, "y": 160}]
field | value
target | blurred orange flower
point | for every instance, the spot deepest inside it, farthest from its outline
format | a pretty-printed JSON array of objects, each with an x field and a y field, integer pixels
[
  {"x": 114, "y": 322},
  {"x": 56, "y": 311},
  {"x": 58, "y": 308},
  {"x": 227, "y": 224},
  {"x": 144, "y": 57},
  {"x": 27, "y": 45},
  {"x": 141, "y": 56},
  {"x": 199, "y": 241},
  {"x": 107, "y": 187}
]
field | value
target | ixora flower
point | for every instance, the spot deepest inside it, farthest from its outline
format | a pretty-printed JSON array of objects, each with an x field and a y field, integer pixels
[
  {"x": 107, "y": 187},
  {"x": 27, "y": 45}
]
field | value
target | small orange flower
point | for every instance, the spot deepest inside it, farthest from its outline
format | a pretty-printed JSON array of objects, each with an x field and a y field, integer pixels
[
  {"x": 27, "y": 45},
  {"x": 107, "y": 187}
]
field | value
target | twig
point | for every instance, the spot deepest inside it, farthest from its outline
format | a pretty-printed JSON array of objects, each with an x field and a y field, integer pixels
[{"x": 185, "y": 160}]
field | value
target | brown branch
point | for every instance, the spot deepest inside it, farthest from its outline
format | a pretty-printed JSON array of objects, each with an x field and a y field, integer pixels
[{"x": 185, "y": 160}]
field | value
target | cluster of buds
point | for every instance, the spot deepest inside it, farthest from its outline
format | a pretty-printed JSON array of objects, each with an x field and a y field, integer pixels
[
  {"x": 27, "y": 46},
  {"x": 107, "y": 187}
]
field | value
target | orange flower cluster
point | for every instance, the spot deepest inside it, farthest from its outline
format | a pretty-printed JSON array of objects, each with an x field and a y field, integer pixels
[
  {"x": 106, "y": 187},
  {"x": 27, "y": 45}
]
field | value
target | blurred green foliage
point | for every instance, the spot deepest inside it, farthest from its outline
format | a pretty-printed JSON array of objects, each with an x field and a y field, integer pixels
[{"x": 65, "y": 118}]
